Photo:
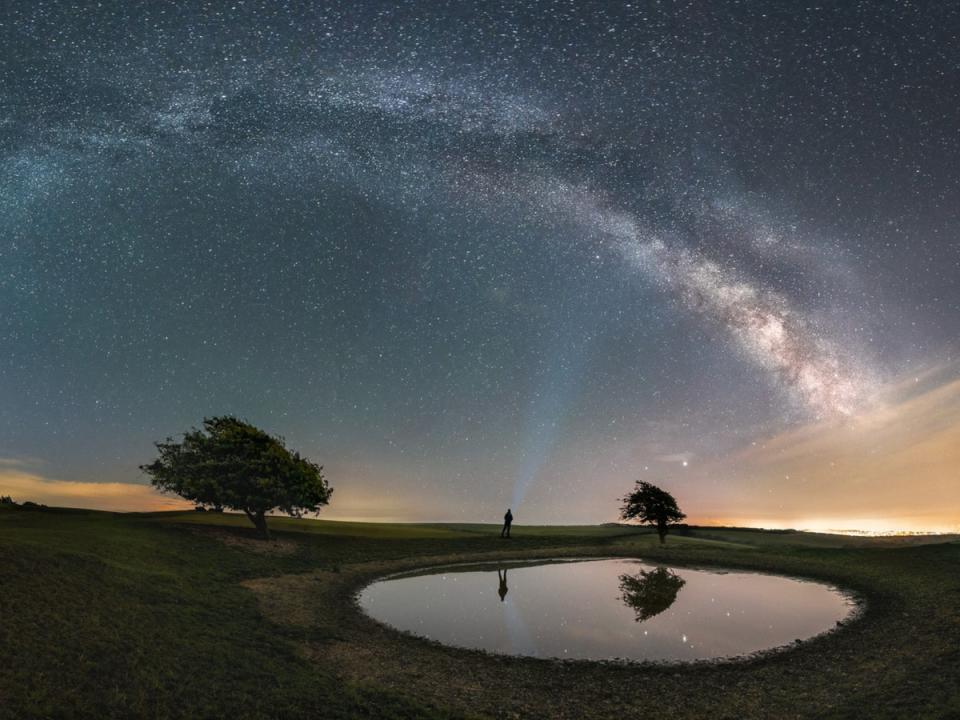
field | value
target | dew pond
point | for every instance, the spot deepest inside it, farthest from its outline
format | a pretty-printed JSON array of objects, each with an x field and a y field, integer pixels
[{"x": 606, "y": 609}]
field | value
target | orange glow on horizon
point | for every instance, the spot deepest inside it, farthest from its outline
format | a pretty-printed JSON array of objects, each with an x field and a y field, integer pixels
[
  {"x": 894, "y": 469},
  {"x": 838, "y": 525},
  {"x": 136, "y": 497},
  {"x": 110, "y": 496}
]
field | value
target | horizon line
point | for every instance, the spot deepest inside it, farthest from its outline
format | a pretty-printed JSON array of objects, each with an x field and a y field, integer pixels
[{"x": 845, "y": 531}]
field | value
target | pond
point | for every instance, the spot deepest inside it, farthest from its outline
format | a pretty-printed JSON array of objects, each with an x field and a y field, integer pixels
[{"x": 605, "y": 609}]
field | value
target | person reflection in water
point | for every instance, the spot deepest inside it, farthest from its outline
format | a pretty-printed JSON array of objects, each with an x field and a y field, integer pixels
[
  {"x": 507, "y": 521},
  {"x": 503, "y": 584}
]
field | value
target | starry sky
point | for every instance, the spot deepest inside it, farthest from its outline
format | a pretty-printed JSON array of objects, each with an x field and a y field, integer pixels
[{"x": 471, "y": 255}]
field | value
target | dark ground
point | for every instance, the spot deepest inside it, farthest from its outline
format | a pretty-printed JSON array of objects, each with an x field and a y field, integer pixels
[{"x": 186, "y": 616}]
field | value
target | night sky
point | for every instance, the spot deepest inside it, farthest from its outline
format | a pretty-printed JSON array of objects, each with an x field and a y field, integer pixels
[{"x": 477, "y": 255}]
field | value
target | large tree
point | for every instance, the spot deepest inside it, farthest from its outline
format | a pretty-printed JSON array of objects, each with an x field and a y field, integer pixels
[
  {"x": 229, "y": 463},
  {"x": 651, "y": 506}
]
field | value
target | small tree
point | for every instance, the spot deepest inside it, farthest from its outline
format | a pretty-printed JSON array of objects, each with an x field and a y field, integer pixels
[
  {"x": 232, "y": 464},
  {"x": 650, "y": 592},
  {"x": 651, "y": 506}
]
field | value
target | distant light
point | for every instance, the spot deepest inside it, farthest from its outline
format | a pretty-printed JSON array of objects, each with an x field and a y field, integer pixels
[{"x": 685, "y": 463}]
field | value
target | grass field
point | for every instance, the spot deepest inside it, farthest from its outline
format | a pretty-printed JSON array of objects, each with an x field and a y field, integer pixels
[{"x": 184, "y": 615}]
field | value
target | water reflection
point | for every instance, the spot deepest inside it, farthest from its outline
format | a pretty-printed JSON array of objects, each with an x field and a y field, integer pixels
[
  {"x": 615, "y": 608},
  {"x": 650, "y": 592}
]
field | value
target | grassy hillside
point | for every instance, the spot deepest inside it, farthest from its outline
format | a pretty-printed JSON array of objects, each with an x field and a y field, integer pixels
[{"x": 185, "y": 615}]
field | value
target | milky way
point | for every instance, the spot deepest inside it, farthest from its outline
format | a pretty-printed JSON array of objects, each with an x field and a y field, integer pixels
[
  {"x": 467, "y": 256},
  {"x": 771, "y": 332}
]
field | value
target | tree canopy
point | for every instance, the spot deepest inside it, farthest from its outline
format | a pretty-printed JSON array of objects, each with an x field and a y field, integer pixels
[
  {"x": 650, "y": 505},
  {"x": 229, "y": 463},
  {"x": 650, "y": 592}
]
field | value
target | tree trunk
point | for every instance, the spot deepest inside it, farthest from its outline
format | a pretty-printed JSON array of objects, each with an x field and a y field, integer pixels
[
  {"x": 259, "y": 520},
  {"x": 662, "y": 532}
]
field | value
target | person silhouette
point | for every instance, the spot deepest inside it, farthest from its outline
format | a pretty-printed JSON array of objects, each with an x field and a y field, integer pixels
[
  {"x": 507, "y": 521},
  {"x": 503, "y": 584}
]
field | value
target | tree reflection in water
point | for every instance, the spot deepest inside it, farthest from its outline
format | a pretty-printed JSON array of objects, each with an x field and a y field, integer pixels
[{"x": 650, "y": 592}]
